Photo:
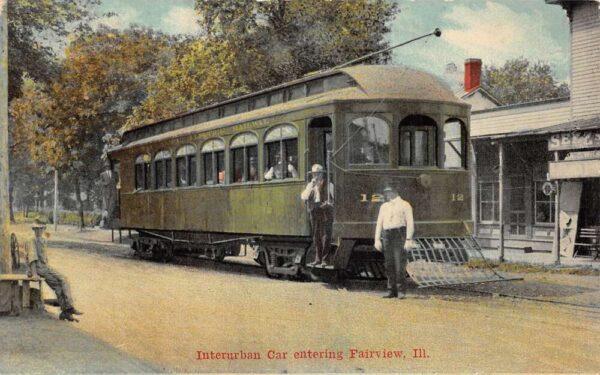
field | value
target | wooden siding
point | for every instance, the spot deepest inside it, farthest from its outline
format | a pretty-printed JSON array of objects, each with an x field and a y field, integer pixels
[
  {"x": 508, "y": 120},
  {"x": 585, "y": 60}
]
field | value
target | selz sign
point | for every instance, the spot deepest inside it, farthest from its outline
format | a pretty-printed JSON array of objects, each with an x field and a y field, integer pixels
[{"x": 574, "y": 140}]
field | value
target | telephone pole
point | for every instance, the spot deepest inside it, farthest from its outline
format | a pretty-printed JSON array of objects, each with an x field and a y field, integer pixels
[{"x": 6, "y": 266}]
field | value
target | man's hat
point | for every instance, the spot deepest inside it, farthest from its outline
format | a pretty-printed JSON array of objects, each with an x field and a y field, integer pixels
[
  {"x": 317, "y": 168},
  {"x": 38, "y": 224},
  {"x": 390, "y": 188}
]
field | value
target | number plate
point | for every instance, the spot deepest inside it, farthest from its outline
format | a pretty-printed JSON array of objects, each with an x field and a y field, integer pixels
[{"x": 298, "y": 258}]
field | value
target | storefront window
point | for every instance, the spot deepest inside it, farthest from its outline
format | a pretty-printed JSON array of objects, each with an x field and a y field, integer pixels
[
  {"x": 545, "y": 208},
  {"x": 369, "y": 141},
  {"x": 517, "y": 218},
  {"x": 488, "y": 202}
]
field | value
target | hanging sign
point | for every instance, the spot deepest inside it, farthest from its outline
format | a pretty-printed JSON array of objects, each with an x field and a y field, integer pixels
[{"x": 574, "y": 140}]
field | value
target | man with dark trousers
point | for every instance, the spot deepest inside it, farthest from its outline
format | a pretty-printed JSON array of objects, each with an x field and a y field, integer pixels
[
  {"x": 394, "y": 231},
  {"x": 318, "y": 195},
  {"x": 38, "y": 266}
]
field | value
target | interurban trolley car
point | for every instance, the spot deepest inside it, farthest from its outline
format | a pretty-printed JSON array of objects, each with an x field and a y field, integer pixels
[{"x": 210, "y": 180}]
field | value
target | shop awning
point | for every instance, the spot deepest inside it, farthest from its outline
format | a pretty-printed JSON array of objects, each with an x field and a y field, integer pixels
[{"x": 574, "y": 125}]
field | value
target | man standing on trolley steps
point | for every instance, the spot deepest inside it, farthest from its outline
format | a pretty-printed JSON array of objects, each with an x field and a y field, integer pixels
[
  {"x": 394, "y": 232},
  {"x": 320, "y": 208}
]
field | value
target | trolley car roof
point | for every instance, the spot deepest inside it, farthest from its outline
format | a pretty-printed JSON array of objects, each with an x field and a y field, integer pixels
[{"x": 373, "y": 82}]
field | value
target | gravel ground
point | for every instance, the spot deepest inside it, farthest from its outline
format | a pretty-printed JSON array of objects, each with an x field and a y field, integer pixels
[{"x": 165, "y": 314}]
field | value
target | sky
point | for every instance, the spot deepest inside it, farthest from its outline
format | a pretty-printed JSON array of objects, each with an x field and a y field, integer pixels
[{"x": 492, "y": 30}]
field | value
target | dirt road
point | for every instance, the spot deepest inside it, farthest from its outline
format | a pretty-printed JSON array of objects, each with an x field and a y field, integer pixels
[{"x": 167, "y": 314}]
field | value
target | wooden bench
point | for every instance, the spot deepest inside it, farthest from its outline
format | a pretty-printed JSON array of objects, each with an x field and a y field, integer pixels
[
  {"x": 588, "y": 239},
  {"x": 20, "y": 285}
]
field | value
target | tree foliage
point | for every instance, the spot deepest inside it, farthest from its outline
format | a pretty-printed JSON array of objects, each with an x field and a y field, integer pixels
[
  {"x": 521, "y": 81},
  {"x": 104, "y": 75},
  {"x": 33, "y": 27},
  {"x": 250, "y": 45}
]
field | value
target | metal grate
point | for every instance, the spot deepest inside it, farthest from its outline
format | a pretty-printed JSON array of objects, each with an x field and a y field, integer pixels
[{"x": 444, "y": 261}]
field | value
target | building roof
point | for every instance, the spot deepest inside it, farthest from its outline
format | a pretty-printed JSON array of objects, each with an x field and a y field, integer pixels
[{"x": 464, "y": 95}]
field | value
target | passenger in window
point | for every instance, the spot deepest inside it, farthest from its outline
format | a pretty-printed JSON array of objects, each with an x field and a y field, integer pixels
[
  {"x": 221, "y": 177},
  {"x": 253, "y": 170},
  {"x": 278, "y": 171},
  {"x": 366, "y": 150},
  {"x": 318, "y": 196}
]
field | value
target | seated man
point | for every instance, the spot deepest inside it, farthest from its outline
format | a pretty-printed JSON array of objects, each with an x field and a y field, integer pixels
[{"x": 38, "y": 266}]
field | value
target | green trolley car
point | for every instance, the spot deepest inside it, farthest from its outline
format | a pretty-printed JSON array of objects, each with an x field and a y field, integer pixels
[{"x": 207, "y": 181}]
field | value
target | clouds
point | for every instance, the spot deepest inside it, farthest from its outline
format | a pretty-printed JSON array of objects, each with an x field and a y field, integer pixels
[
  {"x": 497, "y": 33},
  {"x": 181, "y": 20},
  {"x": 125, "y": 16},
  {"x": 492, "y": 30}
]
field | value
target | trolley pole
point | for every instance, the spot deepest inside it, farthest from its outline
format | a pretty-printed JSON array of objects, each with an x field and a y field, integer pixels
[{"x": 6, "y": 264}]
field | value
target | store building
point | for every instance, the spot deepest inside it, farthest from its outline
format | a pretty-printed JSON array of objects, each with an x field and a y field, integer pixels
[{"x": 537, "y": 165}]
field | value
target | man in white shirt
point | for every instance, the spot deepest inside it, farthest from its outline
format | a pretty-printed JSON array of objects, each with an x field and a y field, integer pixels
[
  {"x": 320, "y": 208},
  {"x": 395, "y": 229}
]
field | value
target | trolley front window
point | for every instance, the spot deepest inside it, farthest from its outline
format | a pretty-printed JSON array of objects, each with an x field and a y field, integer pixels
[
  {"x": 369, "y": 141},
  {"x": 418, "y": 141},
  {"x": 142, "y": 172},
  {"x": 162, "y": 170},
  {"x": 244, "y": 156},
  {"x": 281, "y": 153},
  {"x": 185, "y": 164},
  {"x": 455, "y": 144},
  {"x": 213, "y": 160}
]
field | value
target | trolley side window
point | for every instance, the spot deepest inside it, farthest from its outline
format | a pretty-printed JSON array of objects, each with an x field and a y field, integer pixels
[
  {"x": 142, "y": 172},
  {"x": 162, "y": 170},
  {"x": 281, "y": 153},
  {"x": 418, "y": 141},
  {"x": 455, "y": 144},
  {"x": 369, "y": 140},
  {"x": 244, "y": 157},
  {"x": 185, "y": 166},
  {"x": 213, "y": 161}
]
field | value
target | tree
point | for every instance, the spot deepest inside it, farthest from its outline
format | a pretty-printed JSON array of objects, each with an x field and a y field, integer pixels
[
  {"x": 102, "y": 78},
  {"x": 31, "y": 27},
  {"x": 521, "y": 81},
  {"x": 251, "y": 45}
]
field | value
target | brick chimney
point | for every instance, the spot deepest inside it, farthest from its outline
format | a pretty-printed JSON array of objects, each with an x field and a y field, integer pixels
[{"x": 472, "y": 74}]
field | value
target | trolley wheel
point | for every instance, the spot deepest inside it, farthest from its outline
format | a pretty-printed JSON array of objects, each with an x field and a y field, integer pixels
[
  {"x": 14, "y": 251},
  {"x": 217, "y": 254},
  {"x": 268, "y": 263}
]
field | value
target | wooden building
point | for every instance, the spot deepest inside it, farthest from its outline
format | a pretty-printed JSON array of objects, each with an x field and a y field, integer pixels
[{"x": 536, "y": 179}]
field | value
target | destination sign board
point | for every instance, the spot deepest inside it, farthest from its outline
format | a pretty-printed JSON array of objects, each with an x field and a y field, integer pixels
[{"x": 574, "y": 140}]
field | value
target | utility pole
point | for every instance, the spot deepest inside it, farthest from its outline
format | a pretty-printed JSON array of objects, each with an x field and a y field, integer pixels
[
  {"x": 55, "y": 215},
  {"x": 6, "y": 264}
]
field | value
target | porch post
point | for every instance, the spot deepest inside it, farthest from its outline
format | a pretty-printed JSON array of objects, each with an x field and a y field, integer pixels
[
  {"x": 501, "y": 199},
  {"x": 556, "y": 247},
  {"x": 474, "y": 191}
]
